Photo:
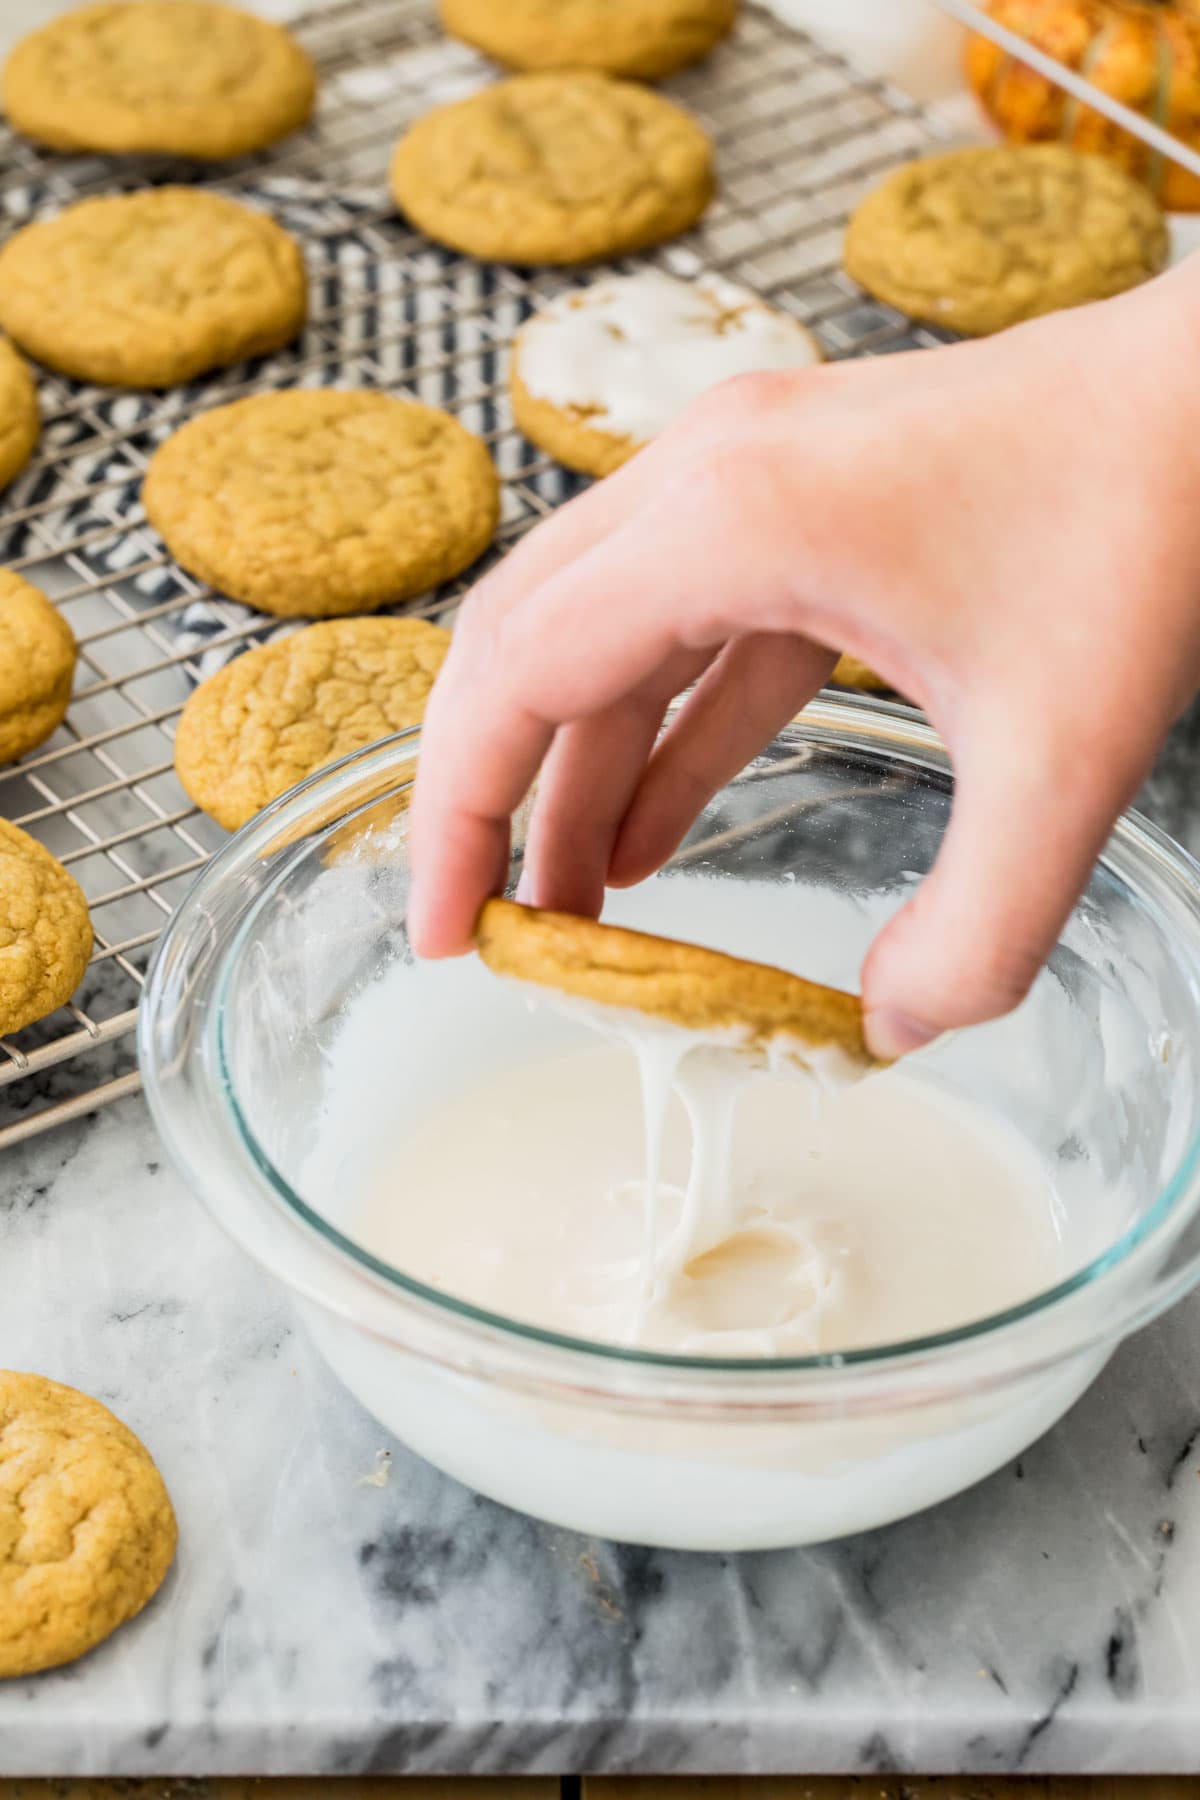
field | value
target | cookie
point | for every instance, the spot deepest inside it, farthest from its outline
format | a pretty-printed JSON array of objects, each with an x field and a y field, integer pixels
[
  {"x": 87, "y": 1531},
  {"x": 151, "y": 288},
  {"x": 18, "y": 413},
  {"x": 978, "y": 240},
  {"x": 181, "y": 77},
  {"x": 319, "y": 502},
  {"x": 644, "y": 39},
  {"x": 45, "y": 934},
  {"x": 278, "y": 714},
  {"x": 683, "y": 984},
  {"x": 37, "y": 666},
  {"x": 554, "y": 168},
  {"x": 850, "y": 673},
  {"x": 602, "y": 370}
]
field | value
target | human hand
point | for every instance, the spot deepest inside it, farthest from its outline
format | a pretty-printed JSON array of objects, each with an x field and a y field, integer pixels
[{"x": 1008, "y": 530}]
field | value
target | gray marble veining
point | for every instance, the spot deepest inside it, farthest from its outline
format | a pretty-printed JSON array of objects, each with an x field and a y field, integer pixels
[{"x": 318, "y": 1623}]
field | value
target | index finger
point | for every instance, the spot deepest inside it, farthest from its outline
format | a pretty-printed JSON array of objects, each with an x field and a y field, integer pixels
[{"x": 580, "y": 641}]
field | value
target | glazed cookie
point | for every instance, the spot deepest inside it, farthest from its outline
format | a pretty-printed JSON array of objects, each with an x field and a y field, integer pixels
[
  {"x": 978, "y": 240},
  {"x": 278, "y": 714},
  {"x": 45, "y": 936},
  {"x": 87, "y": 1531},
  {"x": 151, "y": 288},
  {"x": 318, "y": 502},
  {"x": 18, "y": 413},
  {"x": 184, "y": 77},
  {"x": 644, "y": 39},
  {"x": 602, "y": 370},
  {"x": 37, "y": 666},
  {"x": 683, "y": 984},
  {"x": 554, "y": 168}
]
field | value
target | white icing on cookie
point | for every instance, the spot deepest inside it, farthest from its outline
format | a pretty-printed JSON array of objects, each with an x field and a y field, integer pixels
[{"x": 636, "y": 350}]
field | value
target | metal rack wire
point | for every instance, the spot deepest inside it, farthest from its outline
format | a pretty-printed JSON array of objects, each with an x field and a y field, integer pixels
[{"x": 799, "y": 137}]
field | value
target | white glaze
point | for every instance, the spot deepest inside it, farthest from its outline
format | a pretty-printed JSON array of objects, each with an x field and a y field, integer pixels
[
  {"x": 670, "y": 1192},
  {"x": 633, "y": 352}
]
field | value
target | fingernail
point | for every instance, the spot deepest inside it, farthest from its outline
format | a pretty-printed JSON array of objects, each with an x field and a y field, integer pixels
[
  {"x": 892, "y": 1034},
  {"x": 524, "y": 893}
]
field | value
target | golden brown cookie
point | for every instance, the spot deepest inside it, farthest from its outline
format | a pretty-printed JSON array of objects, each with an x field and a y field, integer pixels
[
  {"x": 184, "y": 77},
  {"x": 152, "y": 288},
  {"x": 18, "y": 413},
  {"x": 851, "y": 673},
  {"x": 602, "y": 370},
  {"x": 37, "y": 666},
  {"x": 316, "y": 502},
  {"x": 278, "y": 714},
  {"x": 45, "y": 934},
  {"x": 554, "y": 168},
  {"x": 685, "y": 984},
  {"x": 87, "y": 1531},
  {"x": 643, "y": 39},
  {"x": 978, "y": 240}
]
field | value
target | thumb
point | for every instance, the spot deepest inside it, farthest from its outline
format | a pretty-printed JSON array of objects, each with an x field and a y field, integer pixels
[{"x": 1028, "y": 823}]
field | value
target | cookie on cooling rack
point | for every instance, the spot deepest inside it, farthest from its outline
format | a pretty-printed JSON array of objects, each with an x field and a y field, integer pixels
[
  {"x": 151, "y": 288},
  {"x": 980, "y": 239},
  {"x": 278, "y": 714},
  {"x": 46, "y": 934},
  {"x": 644, "y": 39},
  {"x": 686, "y": 985},
  {"x": 37, "y": 666},
  {"x": 182, "y": 77},
  {"x": 18, "y": 413},
  {"x": 322, "y": 501},
  {"x": 602, "y": 370},
  {"x": 87, "y": 1530},
  {"x": 558, "y": 167}
]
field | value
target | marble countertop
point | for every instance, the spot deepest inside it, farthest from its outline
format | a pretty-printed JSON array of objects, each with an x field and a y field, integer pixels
[{"x": 317, "y": 1622}]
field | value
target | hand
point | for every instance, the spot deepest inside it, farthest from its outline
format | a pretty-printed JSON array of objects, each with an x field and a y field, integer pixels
[{"x": 1009, "y": 531}]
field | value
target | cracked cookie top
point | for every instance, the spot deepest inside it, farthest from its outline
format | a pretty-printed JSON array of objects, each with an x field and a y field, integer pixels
[
  {"x": 151, "y": 288},
  {"x": 182, "y": 77},
  {"x": 278, "y": 714},
  {"x": 644, "y": 39},
  {"x": 87, "y": 1531},
  {"x": 37, "y": 666},
  {"x": 18, "y": 413},
  {"x": 554, "y": 168},
  {"x": 45, "y": 932},
  {"x": 978, "y": 240},
  {"x": 323, "y": 501}
]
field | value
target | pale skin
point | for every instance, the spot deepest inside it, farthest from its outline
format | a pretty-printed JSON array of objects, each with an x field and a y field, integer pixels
[{"x": 1008, "y": 531}]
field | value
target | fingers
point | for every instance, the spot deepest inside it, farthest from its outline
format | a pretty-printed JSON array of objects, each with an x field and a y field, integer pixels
[
  {"x": 1028, "y": 824},
  {"x": 585, "y": 788},
  {"x": 591, "y": 633},
  {"x": 754, "y": 687}
]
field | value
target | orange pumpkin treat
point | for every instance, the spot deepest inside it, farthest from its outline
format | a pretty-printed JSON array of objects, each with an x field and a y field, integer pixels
[{"x": 1145, "y": 53}]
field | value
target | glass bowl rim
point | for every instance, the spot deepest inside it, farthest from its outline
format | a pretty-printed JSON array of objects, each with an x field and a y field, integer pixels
[{"x": 1133, "y": 832}]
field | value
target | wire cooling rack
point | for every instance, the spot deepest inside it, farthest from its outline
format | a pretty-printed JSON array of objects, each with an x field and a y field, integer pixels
[{"x": 799, "y": 137}]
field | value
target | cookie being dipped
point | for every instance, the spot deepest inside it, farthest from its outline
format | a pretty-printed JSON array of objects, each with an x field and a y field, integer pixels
[{"x": 747, "y": 1005}]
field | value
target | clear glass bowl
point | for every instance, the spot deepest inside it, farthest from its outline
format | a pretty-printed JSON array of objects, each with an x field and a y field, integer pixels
[{"x": 303, "y": 910}]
